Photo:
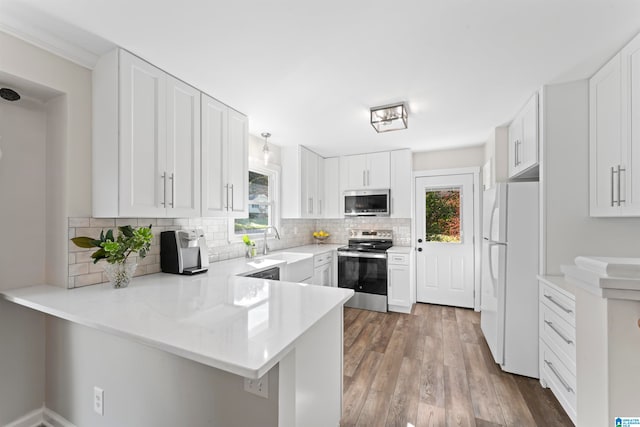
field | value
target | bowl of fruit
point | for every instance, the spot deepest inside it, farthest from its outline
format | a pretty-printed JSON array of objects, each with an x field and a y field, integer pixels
[{"x": 320, "y": 235}]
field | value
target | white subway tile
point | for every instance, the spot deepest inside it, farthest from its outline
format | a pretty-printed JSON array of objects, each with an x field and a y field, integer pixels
[{"x": 78, "y": 269}]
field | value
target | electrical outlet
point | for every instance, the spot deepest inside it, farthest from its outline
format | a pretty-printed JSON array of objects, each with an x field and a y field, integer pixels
[
  {"x": 259, "y": 387},
  {"x": 98, "y": 400}
]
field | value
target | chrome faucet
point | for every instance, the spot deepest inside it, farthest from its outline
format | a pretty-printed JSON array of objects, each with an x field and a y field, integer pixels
[{"x": 265, "y": 248}]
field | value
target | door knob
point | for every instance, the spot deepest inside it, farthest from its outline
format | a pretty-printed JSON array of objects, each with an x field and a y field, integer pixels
[{"x": 419, "y": 249}]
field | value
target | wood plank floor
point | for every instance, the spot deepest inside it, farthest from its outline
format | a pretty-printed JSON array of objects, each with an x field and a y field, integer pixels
[{"x": 433, "y": 368}]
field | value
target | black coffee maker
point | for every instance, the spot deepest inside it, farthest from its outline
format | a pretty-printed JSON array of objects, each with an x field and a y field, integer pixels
[{"x": 183, "y": 252}]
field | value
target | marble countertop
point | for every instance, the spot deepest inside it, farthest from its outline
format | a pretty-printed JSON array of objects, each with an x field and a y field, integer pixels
[{"x": 238, "y": 324}]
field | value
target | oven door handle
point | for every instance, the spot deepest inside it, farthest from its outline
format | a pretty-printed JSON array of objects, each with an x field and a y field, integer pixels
[{"x": 362, "y": 255}]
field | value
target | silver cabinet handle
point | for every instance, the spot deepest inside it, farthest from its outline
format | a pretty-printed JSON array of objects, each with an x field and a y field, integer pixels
[
  {"x": 173, "y": 190},
  {"x": 163, "y": 177},
  {"x": 557, "y": 374},
  {"x": 310, "y": 205},
  {"x": 364, "y": 179},
  {"x": 319, "y": 207},
  {"x": 368, "y": 178},
  {"x": 612, "y": 186},
  {"x": 233, "y": 205},
  {"x": 560, "y": 334},
  {"x": 562, "y": 307},
  {"x": 226, "y": 203},
  {"x": 620, "y": 199}
]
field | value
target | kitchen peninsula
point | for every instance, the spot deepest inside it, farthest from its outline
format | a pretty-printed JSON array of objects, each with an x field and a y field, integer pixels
[{"x": 290, "y": 334}]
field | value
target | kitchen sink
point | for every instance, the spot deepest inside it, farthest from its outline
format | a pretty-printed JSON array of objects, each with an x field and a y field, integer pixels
[
  {"x": 298, "y": 267},
  {"x": 289, "y": 257},
  {"x": 264, "y": 262}
]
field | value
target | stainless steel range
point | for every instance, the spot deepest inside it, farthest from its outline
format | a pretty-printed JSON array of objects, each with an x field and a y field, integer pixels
[{"x": 362, "y": 266}]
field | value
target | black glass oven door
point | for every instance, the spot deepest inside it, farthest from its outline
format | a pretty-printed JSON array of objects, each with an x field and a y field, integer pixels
[{"x": 363, "y": 272}]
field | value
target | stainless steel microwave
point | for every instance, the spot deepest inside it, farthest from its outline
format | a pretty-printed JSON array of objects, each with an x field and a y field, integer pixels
[{"x": 367, "y": 203}]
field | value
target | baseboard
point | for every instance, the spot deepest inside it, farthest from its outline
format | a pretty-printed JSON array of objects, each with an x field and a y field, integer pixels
[
  {"x": 32, "y": 419},
  {"x": 39, "y": 417},
  {"x": 53, "y": 419}
]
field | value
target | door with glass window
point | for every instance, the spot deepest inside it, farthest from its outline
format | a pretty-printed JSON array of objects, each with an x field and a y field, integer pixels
[{"x": 445, "y": 240}]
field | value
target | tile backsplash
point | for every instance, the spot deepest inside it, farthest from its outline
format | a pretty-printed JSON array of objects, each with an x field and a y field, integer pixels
[{"x": 293, "y": 232}]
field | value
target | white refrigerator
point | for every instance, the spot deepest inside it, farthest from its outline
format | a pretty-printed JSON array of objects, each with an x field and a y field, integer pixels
[{"x": 509, "y": 298}]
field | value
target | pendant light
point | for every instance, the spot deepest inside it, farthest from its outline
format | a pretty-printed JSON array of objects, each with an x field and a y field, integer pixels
[{"x": 265, "y": 148}]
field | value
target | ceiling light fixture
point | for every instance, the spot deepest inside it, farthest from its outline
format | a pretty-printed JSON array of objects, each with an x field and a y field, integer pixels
[
  {"x": 389, "y": 117},
  {"x": 265, "y": 148}
]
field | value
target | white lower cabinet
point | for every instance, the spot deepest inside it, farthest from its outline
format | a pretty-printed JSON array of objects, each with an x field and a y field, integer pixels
[
  {"x": 399, "y": 283},
  {"x": 322, "y": 269},
  {"x": 557, "y": 329}
]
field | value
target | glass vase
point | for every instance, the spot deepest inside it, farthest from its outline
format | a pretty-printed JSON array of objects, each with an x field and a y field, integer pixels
[{"x": 120, "y": 274}]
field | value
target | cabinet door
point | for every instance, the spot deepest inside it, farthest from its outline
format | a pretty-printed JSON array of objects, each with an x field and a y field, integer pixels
[
  {"x": 321, "y": 205},
  {"x": 332, "y": 193},
  {"x": 215, "y": 197},
  {"x": 515, "y": 137},
  {"x": 355, "y": 169},
  {"x": 399, "y": 285},
  {"x": 378, "y": 174},
  {"x": 401, "y": 184},
  {"x": 183, "y": 149},
  {"x": 308, "y": 182},
  {"x": 142, "y": 157},
  {"x": 529, "y": 147},
  {"x": 604, "y": 139},
  {"x": 322, "y": 275},
  {"x": 630, "y": 137},
  {"x": 237, "y": 163}
]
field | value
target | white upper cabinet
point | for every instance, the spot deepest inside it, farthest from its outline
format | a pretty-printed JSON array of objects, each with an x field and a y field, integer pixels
[
  {"x": 225, "y": 143},
  {"x": 302, "y": 183},
  {"x": 238, "y": 163},
  {"x": 523, "y": 141},
  {"x": 366, "y": 171},
  {"x": 631, "y": 128},
  {"x": 332, "y": 194},
  {"x": 604, "y": 139},
  {"x": 146, "y": 131},
  {"x": 401, "y": 168},
  {"x": 614, "y": 135},
  {"x": 183, "y": 149}
]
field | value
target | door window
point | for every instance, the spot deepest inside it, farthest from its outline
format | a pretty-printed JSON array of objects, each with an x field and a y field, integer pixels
[{"x": 442, "y": 215}]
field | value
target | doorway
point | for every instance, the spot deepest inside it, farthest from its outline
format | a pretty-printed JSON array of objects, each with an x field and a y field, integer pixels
[{"x": 446, "y": 223}]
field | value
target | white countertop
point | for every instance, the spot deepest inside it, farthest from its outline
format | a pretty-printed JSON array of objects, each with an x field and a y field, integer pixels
[
  {"x": 560, "y": 282},
  {"x": 400, "y": 249},
  {"x": 238, "y": 324}
]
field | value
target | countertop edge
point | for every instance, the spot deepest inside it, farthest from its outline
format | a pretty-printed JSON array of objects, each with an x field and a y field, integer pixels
[{"x": 252, "y": 373}]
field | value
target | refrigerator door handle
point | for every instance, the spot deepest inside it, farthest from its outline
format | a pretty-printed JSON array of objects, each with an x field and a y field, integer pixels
[{"x": 490, "y": 245}]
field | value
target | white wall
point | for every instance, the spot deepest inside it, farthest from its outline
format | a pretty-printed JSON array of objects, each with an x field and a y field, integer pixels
[
  {"x": 22, "y": 193},
  {"x": 22, "y": 361},
  {"x": 449, "y": 159},
  {"x": 496, "y": 151},
  {"x": 36, "y": 65},
  {"x": 57, "y": 169}
]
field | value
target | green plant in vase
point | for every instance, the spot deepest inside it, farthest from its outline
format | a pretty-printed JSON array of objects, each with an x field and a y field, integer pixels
[
  {"x": 251, "y": 246},
  {"x": 116, "y": 249}
]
